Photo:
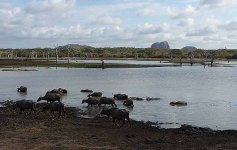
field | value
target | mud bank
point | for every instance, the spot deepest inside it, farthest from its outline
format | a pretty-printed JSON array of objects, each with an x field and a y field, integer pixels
[{"x": 43, "y": 131}]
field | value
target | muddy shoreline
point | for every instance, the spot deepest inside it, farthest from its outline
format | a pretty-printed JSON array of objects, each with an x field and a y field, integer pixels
[{"x": 42, "y": 131}]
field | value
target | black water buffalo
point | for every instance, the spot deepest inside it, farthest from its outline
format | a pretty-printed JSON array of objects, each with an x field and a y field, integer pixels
[
  {"x": 50, "y": 97},
  {"x": 152, "y": 98},
  {"x": 106, "y": 100},
  {"x": 120, "y": 96},
  {"x": 41, "y": 105},
  {"x": 178, "y": 103},
  {"x": 64, "y": 91},
  {"x": 55, "y": 106},
  {"x": 95, "y": 94},
  {"x": 128, "y": 102},
  {"x": 22, "y": 89},
  {"x": 91, "y": 101},
  {"x": 24, "y": 105},
  {"x": 117, "y": 114},
  {"x": 136, "y": 98},
  {"x": 58, "y": 91},
  {"x": 86, "y": 91}
]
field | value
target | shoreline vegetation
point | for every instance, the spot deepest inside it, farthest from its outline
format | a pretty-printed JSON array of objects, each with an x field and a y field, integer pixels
[
  {"x": 40, "y": 130},
  {"x": 19, "y": 62},
  {"x": 51, "y": 57}
]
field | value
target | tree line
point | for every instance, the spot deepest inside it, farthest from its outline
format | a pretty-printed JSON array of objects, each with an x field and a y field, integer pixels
[{"x": 118, "y": 52}]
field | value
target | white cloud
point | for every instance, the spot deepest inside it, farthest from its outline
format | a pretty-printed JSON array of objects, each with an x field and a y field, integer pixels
[
  {"x": 188, "y": 11},
  {"x": 230, "y": 26},
  {"x": 107, "y": 20},
  {"x": 117, "y": 23},
  {"x": 42, "y": 6},
  {"x": 206, "y": 31},
  {"x": 156, "y": 9},
  {"x": 148, "y": 28},
  {"x": 217, "y": 3},
  {"x": 186, "y": 22}
]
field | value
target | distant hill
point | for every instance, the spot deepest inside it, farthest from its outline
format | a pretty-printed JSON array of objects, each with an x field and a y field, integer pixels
[
  {"x": 161, "y": 45},
  {"x": 190, "y": 48},
  {"x": 73, "y": 46}
]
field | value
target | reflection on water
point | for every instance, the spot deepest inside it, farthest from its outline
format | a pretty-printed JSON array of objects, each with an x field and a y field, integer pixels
[{"x": 210, "y": 92}]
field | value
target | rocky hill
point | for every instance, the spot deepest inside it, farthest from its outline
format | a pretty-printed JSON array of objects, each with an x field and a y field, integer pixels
[
  {"x": 161, "y": 45},
  {"x": 73, "y": 46}
]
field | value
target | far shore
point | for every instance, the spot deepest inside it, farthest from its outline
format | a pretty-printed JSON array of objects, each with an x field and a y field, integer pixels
[{"x": 15, "y": 63}]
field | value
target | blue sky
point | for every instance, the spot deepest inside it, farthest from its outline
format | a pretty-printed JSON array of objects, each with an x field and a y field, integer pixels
[{"x": 205, "y": 24}]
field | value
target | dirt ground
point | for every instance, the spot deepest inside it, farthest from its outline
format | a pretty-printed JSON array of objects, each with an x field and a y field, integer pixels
[{"x": 42, "y": 131}]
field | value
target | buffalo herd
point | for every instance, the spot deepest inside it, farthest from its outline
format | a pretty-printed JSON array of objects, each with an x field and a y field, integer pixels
[
  {"x": 53, "y": 103},
  {"x": 96, "y": 99}
]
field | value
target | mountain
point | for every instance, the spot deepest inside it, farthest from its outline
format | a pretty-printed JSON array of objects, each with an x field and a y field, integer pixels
[
  {"x": 190, "y": 48},
  {"x": 161, "y": 45}
]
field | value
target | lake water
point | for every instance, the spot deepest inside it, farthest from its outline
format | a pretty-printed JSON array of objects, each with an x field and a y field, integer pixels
[{"x": 210, "y": 92}]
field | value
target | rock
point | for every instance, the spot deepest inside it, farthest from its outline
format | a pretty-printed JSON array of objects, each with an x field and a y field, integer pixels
[
  {"x": 73, "y": 46},
  {"x": 178, "y": 103},
  {"x": 161, "y": 45},
  {"x": 189, "y": 48}
]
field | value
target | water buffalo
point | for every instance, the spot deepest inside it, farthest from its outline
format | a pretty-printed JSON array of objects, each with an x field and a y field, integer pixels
[
  {"x": 22, "y": 89},
  {"x": 24, "y": 105},
  {"x": 90, "y": 101},
  {"x": 152, "y": 98},
  {"x": 120, "y": 96},
  {"x": 55, "y": 106},
  {"x": 64, "y": 91},
  {"x": 95, "y": 94},
  {"x": 178, "y": 103},
  {"x": 41, "y": 105},
  {"x": 117, "y": 114},
  {"x": 86, "y": 91},
  {"x": 136, "y": 98},
  {"x": 58, "y": 91},
  {"x": 50, "y": 97},
  {"x": 128, "y": 102},
  {"x": 106, "y": 100}
]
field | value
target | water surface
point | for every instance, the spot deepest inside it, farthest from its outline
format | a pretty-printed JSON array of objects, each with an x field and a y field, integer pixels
[{"x": 210, "y": 92}]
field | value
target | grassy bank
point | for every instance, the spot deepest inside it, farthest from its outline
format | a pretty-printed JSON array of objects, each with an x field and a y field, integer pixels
[
  {"x": 16, "y": 63},
  {"x": 11, "y": 63}
]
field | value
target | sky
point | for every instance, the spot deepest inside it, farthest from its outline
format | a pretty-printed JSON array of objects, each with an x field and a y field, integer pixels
[{"x": 207, "y": 24}]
